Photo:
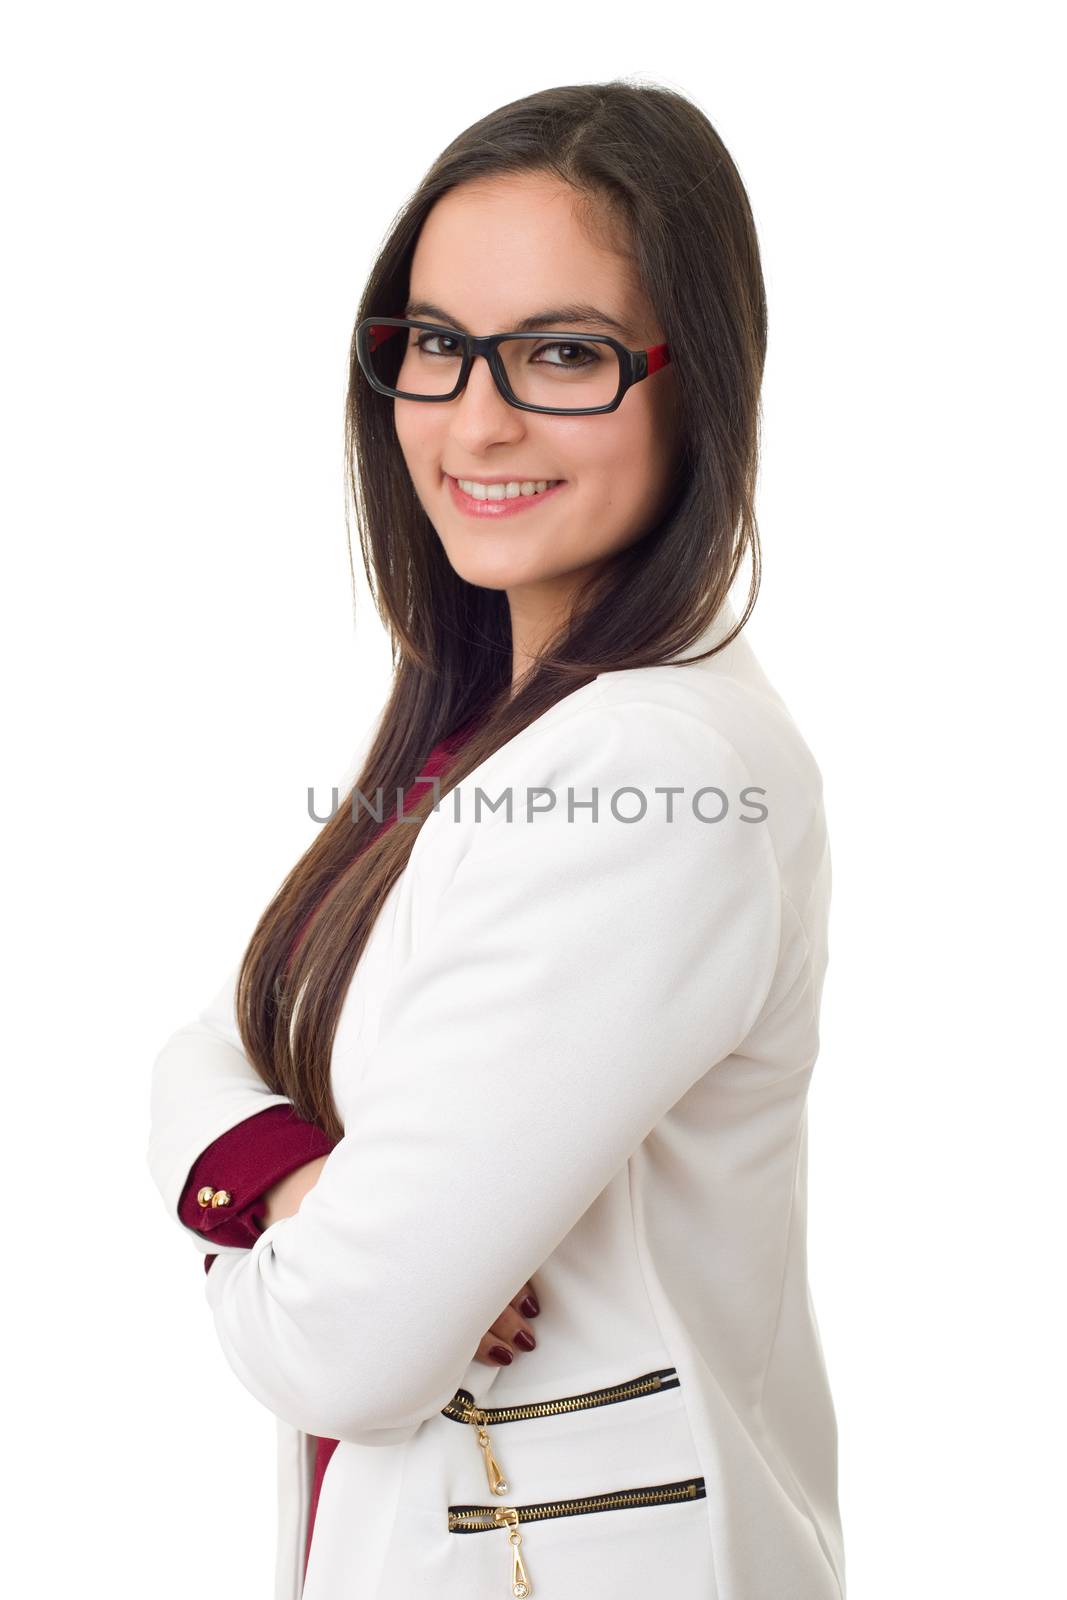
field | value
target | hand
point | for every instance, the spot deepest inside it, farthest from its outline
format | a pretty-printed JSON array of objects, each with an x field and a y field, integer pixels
[
  {"x": 283, "y": 1200},
  {"x": 510, "y": 1322}
]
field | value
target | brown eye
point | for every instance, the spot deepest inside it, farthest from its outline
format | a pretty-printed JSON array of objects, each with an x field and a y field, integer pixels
[
  {"x": 577, "y": 355},
  {"x": 423, "y": 339}
]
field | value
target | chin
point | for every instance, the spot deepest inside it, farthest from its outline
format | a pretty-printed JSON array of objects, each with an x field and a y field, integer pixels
[{"x": 485, "y": 573}]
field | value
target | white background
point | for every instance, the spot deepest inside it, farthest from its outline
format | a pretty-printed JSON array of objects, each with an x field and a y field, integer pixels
[{"x": 192, "y": 197}]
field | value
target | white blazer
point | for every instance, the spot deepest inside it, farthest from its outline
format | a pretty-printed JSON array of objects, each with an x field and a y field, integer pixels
[{"x": 577, "y": 1051}]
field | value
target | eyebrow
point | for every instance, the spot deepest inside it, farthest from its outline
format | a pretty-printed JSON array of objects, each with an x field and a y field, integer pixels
[{"x": 562, "y": 318}]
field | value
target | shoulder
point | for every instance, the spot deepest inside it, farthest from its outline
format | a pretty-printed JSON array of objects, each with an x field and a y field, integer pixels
[
  {"x": 730, "y": 699},
  {"x": 689, "y": 746},
  {"x": 620, "y": 823},
  {"x": 620, "y": 747},
  {"x": 661, "y": 725},
  {"x": 628, "y": 782}
]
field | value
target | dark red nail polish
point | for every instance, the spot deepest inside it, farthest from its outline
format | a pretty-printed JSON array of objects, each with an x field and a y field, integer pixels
[
  {"x": 529, "y": 1307},
  {"x": 501, "y": 1356},
  {"x": 524, "y": 1340}
]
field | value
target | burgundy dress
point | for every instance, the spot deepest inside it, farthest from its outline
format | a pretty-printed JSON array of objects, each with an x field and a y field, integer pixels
[{"x": 250, "y": 1158}]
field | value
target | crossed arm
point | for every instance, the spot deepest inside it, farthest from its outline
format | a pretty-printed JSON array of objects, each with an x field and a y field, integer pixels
[
  {"x": 577, "y": 981},
  {"x": 259, "y": 1171}
]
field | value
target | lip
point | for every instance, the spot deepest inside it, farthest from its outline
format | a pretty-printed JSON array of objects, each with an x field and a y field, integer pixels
[{"x": 498, "y": 508}]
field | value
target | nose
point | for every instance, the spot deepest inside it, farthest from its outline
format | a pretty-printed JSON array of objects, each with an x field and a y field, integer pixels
[
  {"x": 479, "y": 413},
  {"x": 480, "y": 379}
]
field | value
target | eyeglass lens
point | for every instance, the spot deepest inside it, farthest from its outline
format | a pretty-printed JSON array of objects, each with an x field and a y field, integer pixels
[{"x": 564, "y": 373}]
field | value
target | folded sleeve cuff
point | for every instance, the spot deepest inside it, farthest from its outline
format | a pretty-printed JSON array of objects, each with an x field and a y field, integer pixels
[{"x": 238, "y": 1168}]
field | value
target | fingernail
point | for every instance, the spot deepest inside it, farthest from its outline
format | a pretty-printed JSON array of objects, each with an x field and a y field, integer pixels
[
  {"x": 524, "y": 1340},
  {"x": 498, "y": 1354},
  {"x": 529, "y": 1307}
]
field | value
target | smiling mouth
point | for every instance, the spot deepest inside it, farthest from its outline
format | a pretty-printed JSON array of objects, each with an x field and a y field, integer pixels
[
  {"x": 505, "y": 490},
  {"x": 501, "y": 499}
]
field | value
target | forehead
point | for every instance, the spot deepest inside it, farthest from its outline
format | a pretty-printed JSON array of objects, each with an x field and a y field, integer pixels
[{"x": 495, "y": 253}]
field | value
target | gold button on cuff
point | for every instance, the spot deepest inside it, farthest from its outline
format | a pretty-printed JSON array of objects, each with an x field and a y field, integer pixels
[
  {"x": 204, "y": 1195},
  {"x": 221, "y": 1197}
]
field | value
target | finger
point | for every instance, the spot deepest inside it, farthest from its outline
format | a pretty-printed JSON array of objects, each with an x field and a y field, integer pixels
[
  {"x": 509, "y": 1333},
  {"x": 526, "y": 1301},
  {"x": 493, "y": 1352}
]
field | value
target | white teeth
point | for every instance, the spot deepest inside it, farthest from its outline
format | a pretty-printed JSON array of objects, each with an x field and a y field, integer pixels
[{"x": 506, "y": 491}]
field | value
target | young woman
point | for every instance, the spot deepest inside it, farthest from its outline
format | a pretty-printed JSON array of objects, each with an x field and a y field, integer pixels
[{"x": 545, "y": 1032}]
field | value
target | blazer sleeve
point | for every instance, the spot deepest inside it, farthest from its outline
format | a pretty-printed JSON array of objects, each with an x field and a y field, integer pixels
[
  {"x": 576, "y": 978},
  {"x": 203, "y": 1087}
]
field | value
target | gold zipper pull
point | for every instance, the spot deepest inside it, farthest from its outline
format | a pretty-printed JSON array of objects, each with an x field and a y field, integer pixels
[
  {"x": 520, "y": 1578},
  {"x": 498, "y": 1484}
]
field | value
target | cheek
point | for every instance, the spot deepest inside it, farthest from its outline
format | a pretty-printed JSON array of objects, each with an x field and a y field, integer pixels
[
  {"x": 602, "y": 449},
  {"x": 417, "y": 428},
  {"x": 621, "y": 465},
  {"x": 647, "y": 454}
]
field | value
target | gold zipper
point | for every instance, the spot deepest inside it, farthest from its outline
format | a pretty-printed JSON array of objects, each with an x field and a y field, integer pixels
[
  {"x": 461, "y": 1408},
  {"x": 478, "y": 1519}
]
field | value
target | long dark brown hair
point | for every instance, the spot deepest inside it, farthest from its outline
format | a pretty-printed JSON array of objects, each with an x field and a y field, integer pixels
[{"x": 651, "y": 175}]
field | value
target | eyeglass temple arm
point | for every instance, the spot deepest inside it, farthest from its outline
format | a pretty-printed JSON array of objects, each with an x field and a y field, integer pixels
[{"x": 378, "y": 333}]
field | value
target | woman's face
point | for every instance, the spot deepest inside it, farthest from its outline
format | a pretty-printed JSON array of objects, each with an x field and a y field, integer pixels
[{"x": 489, "y": 254}]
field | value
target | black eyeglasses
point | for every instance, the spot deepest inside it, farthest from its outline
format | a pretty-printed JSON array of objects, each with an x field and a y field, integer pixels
[{"x": 568, "y": 373}]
